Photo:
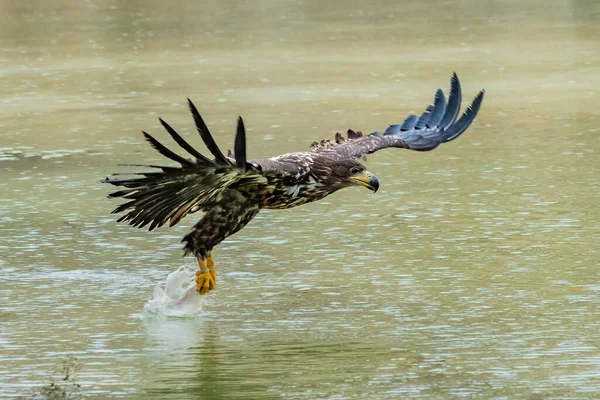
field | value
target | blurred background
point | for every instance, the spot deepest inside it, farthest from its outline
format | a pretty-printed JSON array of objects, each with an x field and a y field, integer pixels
[{"x": 472, "y": 273}]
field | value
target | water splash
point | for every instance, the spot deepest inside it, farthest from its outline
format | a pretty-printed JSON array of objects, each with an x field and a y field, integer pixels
[{"x": 177, "y": 296}]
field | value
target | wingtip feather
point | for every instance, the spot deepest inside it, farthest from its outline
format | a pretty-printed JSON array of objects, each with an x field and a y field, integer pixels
[
  {"x": 240, "y": 144},
  {"x": 165, "y": 151},
  {"x": 184, "y": 144},
  {"x": 465, "y": 120},
  {"x": 207, "y": 138},
  {"x": 453, "y": 106}
]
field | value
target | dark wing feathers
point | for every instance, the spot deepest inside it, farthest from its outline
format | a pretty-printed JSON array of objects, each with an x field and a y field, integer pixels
[
  {"x": 439, "y": 109},
  {"x": 166, "y": 152},
  {"x": 158, "y": 197},
  {"x": 453, "y": 107},
  {"x": 206, "y": 136},
  {"x": 436, "y": 125},
  {"x": 240, "y": 145},
  {"x": 185, "y": 145},
  {"x": 164, "y": 168},
  {"x": 424, "y": 118},
  {"x": 408, "y": 124},
  {"x": 465, "y": 120}
]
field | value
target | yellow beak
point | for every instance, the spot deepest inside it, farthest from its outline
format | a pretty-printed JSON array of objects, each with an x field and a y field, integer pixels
[{"x": 367, "y": 180}]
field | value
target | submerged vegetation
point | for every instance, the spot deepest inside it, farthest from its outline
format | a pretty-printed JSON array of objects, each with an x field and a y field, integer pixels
[{"x": 62, "y": 384}]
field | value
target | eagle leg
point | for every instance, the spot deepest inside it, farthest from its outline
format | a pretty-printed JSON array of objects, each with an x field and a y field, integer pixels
[
  {"x": 205, "y": 280},
  {"x": 211, "y": 267}
]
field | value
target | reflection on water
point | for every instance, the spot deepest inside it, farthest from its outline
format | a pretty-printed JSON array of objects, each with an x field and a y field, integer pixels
[{"x": 471, "y": 273}]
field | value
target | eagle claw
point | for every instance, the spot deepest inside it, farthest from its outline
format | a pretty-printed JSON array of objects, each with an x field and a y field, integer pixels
[{"x": 205, "y": 282}]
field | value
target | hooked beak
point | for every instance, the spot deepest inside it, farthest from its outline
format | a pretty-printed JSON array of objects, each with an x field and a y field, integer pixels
[{"x": 367, "y": 180}]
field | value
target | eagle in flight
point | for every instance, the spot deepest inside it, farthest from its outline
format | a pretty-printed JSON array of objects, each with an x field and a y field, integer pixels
[{"x": 230, "y": 190}]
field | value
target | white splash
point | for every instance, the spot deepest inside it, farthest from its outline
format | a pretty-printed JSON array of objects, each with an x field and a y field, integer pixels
[{"x": 177, "y": 296}]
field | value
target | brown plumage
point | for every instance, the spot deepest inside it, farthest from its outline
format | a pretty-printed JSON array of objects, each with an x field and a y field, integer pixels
[{"x": 231, "y": 190}]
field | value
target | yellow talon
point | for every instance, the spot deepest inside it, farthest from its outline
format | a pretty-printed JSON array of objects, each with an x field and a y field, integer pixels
[
  {"x": 206, "y": 277},
  {"x": 204, "y": 282}
]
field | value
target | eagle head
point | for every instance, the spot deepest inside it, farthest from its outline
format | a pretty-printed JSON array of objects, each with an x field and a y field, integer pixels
[{"x": 349, "y": 173}]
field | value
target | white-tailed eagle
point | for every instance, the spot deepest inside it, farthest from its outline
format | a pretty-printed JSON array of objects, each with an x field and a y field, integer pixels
[{"x": 230, "y": 190}]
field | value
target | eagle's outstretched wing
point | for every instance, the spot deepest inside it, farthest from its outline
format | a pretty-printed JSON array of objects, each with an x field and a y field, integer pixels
[
  {"x": 436, "y": 125},
  {"x": 200, "y": 183}
]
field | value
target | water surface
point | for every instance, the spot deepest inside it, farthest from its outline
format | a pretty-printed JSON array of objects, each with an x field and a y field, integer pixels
[{"x": 473, "y": 272}]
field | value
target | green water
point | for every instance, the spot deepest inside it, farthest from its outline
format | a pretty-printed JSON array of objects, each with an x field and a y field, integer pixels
[{"x": 471, "y": 273}]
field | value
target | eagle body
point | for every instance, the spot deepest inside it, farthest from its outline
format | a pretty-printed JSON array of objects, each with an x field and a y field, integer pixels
[
  {"x": 231, "y": 190},
  {"x": 303, "y": 180}
]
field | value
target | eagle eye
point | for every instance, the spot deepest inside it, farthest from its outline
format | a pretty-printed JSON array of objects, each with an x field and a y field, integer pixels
[{"x": 354, "y": 170}]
